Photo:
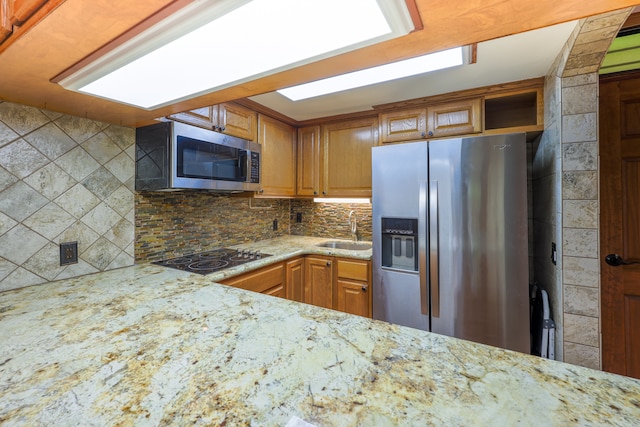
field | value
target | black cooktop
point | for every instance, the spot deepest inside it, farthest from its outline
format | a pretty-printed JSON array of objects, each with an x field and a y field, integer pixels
[{"x": 212, "y": 261}]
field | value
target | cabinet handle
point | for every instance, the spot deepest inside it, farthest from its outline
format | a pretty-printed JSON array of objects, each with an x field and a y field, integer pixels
[
  {"x": 328, "y": 263},
  {"x": 324, "y": 193},
  {"x": 364, "y": 289},
  {"x": 424, "y": 134},
  {"x": 222, "y": 128},
  {"x": 430, "y": 133},
  {"x": 315, "y": 193},
  {"x": 261, "y": 191}
]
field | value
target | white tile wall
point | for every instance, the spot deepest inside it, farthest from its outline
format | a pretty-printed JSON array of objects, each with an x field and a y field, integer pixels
[{"x": 62, "y": 178}]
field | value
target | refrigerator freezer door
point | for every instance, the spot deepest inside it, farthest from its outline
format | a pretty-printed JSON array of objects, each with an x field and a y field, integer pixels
[
  {"x": 482, "y": 240},
  {"x": 399, "y": 176}
]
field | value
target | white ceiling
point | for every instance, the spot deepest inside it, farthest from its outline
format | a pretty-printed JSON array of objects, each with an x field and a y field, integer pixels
[{"x": 517, "y": 57}]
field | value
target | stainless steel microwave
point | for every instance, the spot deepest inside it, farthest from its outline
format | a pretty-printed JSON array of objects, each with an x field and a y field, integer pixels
[{"x": 175, "y": 156}]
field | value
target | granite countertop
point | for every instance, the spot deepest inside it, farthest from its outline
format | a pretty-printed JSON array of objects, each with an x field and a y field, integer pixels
[{"x": 149, "y": 345}]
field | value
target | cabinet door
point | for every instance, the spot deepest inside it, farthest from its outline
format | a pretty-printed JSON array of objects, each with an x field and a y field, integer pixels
[
  {"x": 205, "y": 117},
  {"x": 347, "y": 157},
  {"x": 454, "y": 118},
  {"x": 403, "y": 125},
  {"x": 308, "y": 182},
  {"x": 295, "y": 280},
  {"x": 238, "y": 121},
  {"x": 318, "y": 286},
  {"x": 353, "y": 297},
  {"x": 265, "y": 280},
  {"x": 278, "y": 162}
]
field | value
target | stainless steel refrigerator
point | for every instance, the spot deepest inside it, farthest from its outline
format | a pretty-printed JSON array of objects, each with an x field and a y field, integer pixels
[{"x": 450, "y": 238}]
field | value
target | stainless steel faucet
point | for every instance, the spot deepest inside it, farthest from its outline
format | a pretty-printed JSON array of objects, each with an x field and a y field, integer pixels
[{"x": 353, "y": 223}]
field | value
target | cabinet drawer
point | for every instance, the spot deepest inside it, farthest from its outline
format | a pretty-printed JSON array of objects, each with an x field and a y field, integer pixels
[
  {"x": 259, "y": 281},
  {"x": 354, "y": 270}
]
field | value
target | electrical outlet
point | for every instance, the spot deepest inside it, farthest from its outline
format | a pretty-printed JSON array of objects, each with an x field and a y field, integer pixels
[
  {"x": 68, "y": 253},
  {"x": 275, "y": 225},
  {"x": 298, "y": 216}
]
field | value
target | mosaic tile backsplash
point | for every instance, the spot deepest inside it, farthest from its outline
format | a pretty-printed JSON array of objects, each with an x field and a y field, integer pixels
[
  {"x": 180, "y": 223},
  {"x": 62, "y": 179},
  {"x": 330, "y": 219}
]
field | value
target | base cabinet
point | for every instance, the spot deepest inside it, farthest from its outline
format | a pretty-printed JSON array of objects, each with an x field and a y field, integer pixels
[
  {"x": 342, "y": 284},
  {"x": 295, "y": 279},
  {"x": 318, "y": 289},
  {"x": 268, "y": 280}
]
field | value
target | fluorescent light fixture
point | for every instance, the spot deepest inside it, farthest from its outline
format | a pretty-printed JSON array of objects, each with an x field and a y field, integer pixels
[
  {"x": 209, "y": 45},
  {"x": 341, "y": 200},
  {"x": 395, "y": 70}
]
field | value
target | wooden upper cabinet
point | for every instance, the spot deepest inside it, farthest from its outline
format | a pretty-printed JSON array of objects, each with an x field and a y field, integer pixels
[
  {"x": 228, "y": 118},
  {"x": 516, "y": 111},
  {"x": 238, "y": 121},
  {"x": 346, "y": 157},
  {"x": 454, "y": 118},
  {"x": 403, "y": 125},
  {"x": 278, "y": 163},
  {"x": 308, "y": 176}
]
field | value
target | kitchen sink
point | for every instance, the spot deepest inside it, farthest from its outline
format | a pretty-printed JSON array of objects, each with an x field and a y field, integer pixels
[{"x": 340, "y": 244}]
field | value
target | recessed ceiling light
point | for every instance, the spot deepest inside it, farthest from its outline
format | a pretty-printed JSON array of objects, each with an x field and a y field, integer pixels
[
  {"x": 209, "y": 45},
  {"x": 396, "y": 70}
]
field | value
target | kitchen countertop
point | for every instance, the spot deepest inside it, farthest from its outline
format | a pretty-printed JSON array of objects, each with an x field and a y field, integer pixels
[{"x": 150, "y": 345}]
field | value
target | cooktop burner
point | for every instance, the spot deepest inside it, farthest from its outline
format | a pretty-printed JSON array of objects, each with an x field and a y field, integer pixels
[{"x": 211, "y": 261}]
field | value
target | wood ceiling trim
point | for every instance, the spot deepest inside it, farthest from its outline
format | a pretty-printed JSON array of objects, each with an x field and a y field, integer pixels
[{"x": 76, "y": 28}]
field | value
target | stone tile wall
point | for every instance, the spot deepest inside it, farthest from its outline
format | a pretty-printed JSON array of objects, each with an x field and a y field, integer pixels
[
  {"x": 330, "y": 219},
  {"x": 566, "y": 206},
  {"x": 179, "y": 223},
  {"x": 62, "y": 179}
]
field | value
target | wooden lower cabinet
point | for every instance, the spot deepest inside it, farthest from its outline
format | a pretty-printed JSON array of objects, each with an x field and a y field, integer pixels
[
  {"x": 318, "y": 283},
  {"x": 268, "y": 280},
  {"x": 353, "y": 297},
  {"x": 353, "y": 286},
  {"x": 342, "y": 284},
  {"x": 295, "y": 279}
]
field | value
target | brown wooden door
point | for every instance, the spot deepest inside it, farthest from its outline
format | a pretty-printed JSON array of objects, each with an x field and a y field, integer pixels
[
  {"x": 346, "y": 157},
  {"x": 353, "y": 297},
  {"x": 308, "y": 183},
  {"x": 295, "y": 280},
  {"x": 620, "y": 224},
  {"x": 318, "y": 284},
  {"x": 278, "y": 163}
]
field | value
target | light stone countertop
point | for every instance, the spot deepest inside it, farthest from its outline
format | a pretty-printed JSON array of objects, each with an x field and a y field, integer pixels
[{"x": 149, "y": 345}]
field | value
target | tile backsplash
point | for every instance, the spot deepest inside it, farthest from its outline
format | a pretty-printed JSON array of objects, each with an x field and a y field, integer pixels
[
  {"x": 62, "y": 179},
  {"x": 179, "y": 223},
  {"x": 330, "y": 219}
]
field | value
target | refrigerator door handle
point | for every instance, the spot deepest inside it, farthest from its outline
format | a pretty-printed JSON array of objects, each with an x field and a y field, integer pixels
[
  {"x": 422, "y": 250},
  {"x": 434, "y": 255}
]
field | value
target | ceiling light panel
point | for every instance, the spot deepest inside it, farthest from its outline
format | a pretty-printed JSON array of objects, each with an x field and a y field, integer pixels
[
  {"x": 383, "y": 73},
  {"x": 208, "y": 46}
]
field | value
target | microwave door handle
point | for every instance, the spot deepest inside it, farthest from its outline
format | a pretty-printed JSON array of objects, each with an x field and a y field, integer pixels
[{"x": 243, "y": 162}]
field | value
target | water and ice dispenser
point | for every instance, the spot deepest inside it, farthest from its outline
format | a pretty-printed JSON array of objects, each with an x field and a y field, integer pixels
[{"x": 400, "y": 243}]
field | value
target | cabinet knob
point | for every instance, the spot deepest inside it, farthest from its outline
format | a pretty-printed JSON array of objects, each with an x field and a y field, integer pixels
[
  {"x": 222, "y": 128},
  {"x": 364, "y": 289},
  {"x": 261, "y": 191},
  {"x": 430, "y": 133},
  {"x": 328, "y": 263},
  {"x": 424, "y": 134},
  {"x": 324, "y": 193},
  {"x": 315, "y": 193}
]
